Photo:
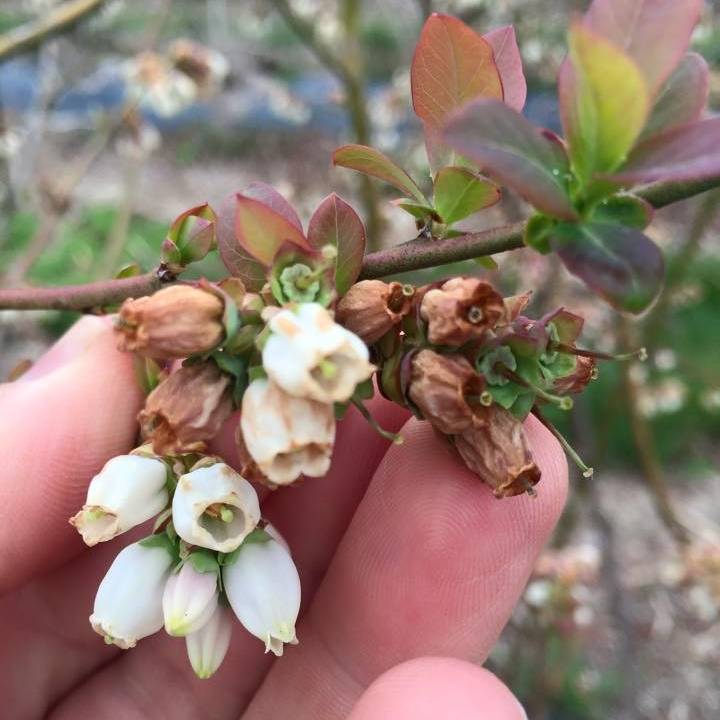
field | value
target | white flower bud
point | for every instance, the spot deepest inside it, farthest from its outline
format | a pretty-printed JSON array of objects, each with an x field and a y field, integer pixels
[
  {"x": 189, "y": 600},
  {"x": 286, "y": 436},
  {"x": 128, "y": 491},
  {"x": 206, "y": 647},
  {"x": 263, "y": 588},
  {"x": 215, "y": 507},
  {"x": 128, "y": 604},
  {"x": 309, "y": 355}
]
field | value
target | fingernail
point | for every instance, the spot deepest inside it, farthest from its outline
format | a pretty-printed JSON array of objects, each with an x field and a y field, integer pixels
[
  {"x": 523, "y": 715},
  {"x": 72, "y": 345}
]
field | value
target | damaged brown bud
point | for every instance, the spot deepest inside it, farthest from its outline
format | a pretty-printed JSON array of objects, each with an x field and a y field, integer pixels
[
  {"x": 578, "y": 379},
  {"x": 495, "y": 448},
  {"x": 175, "y": 322},
  {"x": 187, "y": 409},
  {"x": 461, "y": 310},
  {"x": 445, "y": 388},
  {"x": 372, "y": 307}
]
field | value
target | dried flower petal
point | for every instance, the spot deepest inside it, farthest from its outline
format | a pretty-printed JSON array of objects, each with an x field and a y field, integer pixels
[
  {"x": 175, "y": 322},
  {"x": 463, "y": 309},
  {"x": 495, "y": 447},
  {"x": 372, "y": 307},
  {"x": 187, "y": 409},
  {"x": 440, "y": 386},
  {"x": 577, "y": 380}
]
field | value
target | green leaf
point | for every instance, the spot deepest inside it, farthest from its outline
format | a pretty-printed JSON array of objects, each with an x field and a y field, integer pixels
[
  {"x": 421, "y": 212},
  {"x": 237, "y": 366},
  {"x": 204, "y": 561},
  {"x": 372, "y": 162},
  {"x": 537, "y": 232},
  {"x": 505, "y": 395},
  {"x": 459, "y": 192},
  {"x": 131, "y": 270},
  {"x": 513, "y": 151},
  {"x": 604, "y": 103},
  {"x": 335, "y": 223},
  {"x": 487, "y": 262},
  {"x": 618, "y": 262},
  {"x": 160, "y": 540},
  {"x": 624, "y": 210}
]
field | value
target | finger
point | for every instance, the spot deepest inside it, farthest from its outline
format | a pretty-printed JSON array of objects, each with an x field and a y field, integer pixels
[
  {"x": 433, "y": 688},
  {"x": 157, "y": 674},
  {"x": 58, "y": 425},
  {"x": 432, "y": 564}
]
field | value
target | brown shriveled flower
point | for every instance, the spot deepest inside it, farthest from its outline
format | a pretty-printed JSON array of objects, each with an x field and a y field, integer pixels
[
  {"x": 372, "y": 307},
  {"x": 462, "y": 309},
  {"x": 440, "y": 386},
  {"x": 183, "y": 412},
  {"x": 495, "y": 447},
  {"x": 173, "y": 323},
  {"x": 578, "y": 379}
]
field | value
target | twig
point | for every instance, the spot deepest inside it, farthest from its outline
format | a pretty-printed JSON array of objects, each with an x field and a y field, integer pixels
[
  {"x": 80, "y": 297},
  {"x": 408, "y": 256},
  {"x": 54, "y": 21}
]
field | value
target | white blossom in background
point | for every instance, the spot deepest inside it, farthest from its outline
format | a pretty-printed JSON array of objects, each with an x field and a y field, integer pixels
[
  {"x": 207, "y": 647},
  {"x": 128, "y": 491},
  {"x": 215, "y": 507},
  {"x": 189, "y": 600},
  {"x": 286, "y": 436},
  {"x": 128, "y": 604},
  {"x": 263, "y": 587},
  {"x": 309, "y": 355}
]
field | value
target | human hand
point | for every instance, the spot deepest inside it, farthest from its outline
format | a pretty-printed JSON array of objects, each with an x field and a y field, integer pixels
[{"x": 402, "y": 553}]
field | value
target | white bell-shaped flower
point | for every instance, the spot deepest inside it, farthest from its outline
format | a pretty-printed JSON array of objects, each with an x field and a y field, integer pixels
[
  {"x": 128, "y": 604},
  {"x": 286, "y": 436},
  {"x": 189, "y": 600},
  {"x": 207, "y": 647},
  {"x": 310, "y": 356},
  {"x": 215, "y": 507},
  {"x": 128, "y": 491},
  {"x": 263, "y": 587}
]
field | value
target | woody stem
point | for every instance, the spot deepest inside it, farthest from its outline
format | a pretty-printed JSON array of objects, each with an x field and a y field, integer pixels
[{"x": 411, "y": 255}]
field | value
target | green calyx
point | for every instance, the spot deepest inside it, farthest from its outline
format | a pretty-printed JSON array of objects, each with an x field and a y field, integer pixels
[{"x": 299, "y": 283}]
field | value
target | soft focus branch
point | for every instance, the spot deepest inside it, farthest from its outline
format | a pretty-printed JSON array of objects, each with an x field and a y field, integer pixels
[
  {"x": 411, "y": 255},
  {"x": 417, "y": 254},
  {"x": 80, "y": 297},
  {"x": 54, "y": 21}
]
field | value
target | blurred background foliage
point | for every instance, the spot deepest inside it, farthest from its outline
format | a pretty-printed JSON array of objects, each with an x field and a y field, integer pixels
[{"x": 110, "y": 129}]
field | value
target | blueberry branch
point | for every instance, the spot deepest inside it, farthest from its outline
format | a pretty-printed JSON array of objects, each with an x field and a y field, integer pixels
[{"x": 411, "y": 255}]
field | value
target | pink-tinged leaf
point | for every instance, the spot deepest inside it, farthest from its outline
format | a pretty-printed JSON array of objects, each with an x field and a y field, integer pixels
[
  {"x": 336, "y": 223},
  {"x": 236, "y": 259},
  {"x": 509, "y": 65},
  {"x": 452, "y": 65},
  {"x": 261, "y": 230},
  {"x": 269, "y": 196},
  {"x": 372, "y": 162},
  {"x": 689, "y": 152},
  {"x": 654, "y": 33},
  {"x": 513, "y": 151},
  {"x": 619, "y": 263},
  {"x": 683, "y": 97}
]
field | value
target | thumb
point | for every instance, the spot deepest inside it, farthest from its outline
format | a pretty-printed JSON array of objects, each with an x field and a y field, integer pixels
[{"x": 59, "y": 424}]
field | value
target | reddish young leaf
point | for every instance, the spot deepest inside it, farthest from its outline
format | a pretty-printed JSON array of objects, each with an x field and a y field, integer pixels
[
  {"x": 336, "y": 223},
  {"x": 452, "y": 65},
  {"x": 269, "y": 196},
  {"x": 654, "y": 33},
  {"x": 619, "y": 263},
  {"x": 509, "y": 65},
  {"x": 370, "y": 161},
  {"x": 512, "y": 150},
  {"x": 684, "y": 153},
  {"x": 683, "y": 97},
  {"x": 238, "y": 262}
]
